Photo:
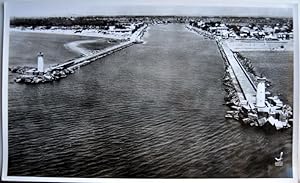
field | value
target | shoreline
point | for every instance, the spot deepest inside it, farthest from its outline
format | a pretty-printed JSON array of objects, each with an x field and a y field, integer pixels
[
  {"x": 93, "y": 33},
  {"x": 74, "y": 46}
]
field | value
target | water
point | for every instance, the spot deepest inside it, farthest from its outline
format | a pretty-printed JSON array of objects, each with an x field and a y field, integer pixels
[
  {"x": 278, "y": 68},
  {"x": 150, "y": 110}
]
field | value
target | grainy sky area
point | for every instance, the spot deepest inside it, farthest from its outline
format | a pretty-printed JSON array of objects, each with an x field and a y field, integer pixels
[{"x": 31, "y": 8}]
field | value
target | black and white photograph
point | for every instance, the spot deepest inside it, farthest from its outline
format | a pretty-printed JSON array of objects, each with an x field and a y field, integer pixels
[{"x": 149, "y": 89}]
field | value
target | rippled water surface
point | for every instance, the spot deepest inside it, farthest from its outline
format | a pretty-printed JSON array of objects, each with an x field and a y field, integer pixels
[{"x": 150, "y": 110}]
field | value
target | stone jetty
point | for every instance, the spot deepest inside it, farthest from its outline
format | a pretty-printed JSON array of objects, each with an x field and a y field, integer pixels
[
  {"x": 31, "y": 75},
  {"x": 246, "y": 94},
  {"x": 249, "y": 102}
]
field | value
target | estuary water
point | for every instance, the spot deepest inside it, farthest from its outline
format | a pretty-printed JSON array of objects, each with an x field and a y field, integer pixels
[{"x": 151, "y": 110}]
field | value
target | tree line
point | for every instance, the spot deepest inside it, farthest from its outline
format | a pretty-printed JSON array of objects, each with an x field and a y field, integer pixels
[{"x": 64, "y": 21}]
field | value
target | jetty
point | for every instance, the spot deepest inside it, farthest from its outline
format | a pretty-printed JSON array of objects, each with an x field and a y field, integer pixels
[
  {"x": 251, "y": 103},
  {"x": 247, "y": 97},
  {"x": 245, "y": 83},
  {"x": 31, "y": 75}
]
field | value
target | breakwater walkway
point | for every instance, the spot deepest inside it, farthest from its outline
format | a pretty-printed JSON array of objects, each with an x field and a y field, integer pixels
[
  {"x": 244, "y": 85},
  {"x": 76, "y": 63},
  {"x": 239, "y": 74},
  {"x": 245, "y": 98}
]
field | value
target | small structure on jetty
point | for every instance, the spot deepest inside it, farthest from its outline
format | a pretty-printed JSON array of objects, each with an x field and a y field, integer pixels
[
  {"x": 261, "y": 94},
  {"x": 35, "y": 74},
  {"x": 268, "y": 112},
  {"x": 40, "y": 62}
]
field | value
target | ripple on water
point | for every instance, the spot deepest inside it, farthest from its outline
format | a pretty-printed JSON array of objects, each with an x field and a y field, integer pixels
[{"x": 151, "y": 110}]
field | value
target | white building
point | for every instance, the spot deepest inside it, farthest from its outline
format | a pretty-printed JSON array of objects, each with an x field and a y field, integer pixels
[
  {"x": 40, "y": 62},
  {"x": 261, "y": 94}
]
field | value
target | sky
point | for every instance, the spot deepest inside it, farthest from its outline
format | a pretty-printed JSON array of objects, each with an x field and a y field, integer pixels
[{"x": 34, "y": 8}]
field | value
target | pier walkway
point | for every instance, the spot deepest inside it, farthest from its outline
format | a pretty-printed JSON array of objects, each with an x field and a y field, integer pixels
[
  {"x": 75, "y": 63},
  {"x": 245, "y": 82},
  {"x": 246, "y": 89},
  {"x": 242, "y": 92}
]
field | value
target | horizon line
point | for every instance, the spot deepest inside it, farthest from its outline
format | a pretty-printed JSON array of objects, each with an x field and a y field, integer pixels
[{"x": 198, "y": 16}]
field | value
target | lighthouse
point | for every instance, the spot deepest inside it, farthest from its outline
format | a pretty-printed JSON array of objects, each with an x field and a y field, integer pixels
[
  {"x": 261, "y": 94},
  {"x": 40, "y": 62}
]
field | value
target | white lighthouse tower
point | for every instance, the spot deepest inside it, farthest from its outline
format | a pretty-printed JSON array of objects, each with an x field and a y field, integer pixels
[
  {"x": 261, "y": 94},
  {"x": 40, "y": 62}
]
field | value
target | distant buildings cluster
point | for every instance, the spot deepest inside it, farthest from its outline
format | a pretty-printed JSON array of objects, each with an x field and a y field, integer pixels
[
  {"x": 104, "y": 25},
  {"x": 250, "y": 31},
  {"x": 236, "y": 27},
  {"x": 114, "y": 28}
]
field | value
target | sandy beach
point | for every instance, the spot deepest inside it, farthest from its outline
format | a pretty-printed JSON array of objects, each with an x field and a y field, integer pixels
[{"x": 88, "y": 33}]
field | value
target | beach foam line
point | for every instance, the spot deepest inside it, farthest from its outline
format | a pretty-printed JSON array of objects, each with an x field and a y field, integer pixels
[{"x": 74, "y": 46}]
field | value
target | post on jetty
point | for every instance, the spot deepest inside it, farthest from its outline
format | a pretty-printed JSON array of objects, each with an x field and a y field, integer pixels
[
  {"x": 261, "y": 94},
  {"x": 40, "y": 62}
]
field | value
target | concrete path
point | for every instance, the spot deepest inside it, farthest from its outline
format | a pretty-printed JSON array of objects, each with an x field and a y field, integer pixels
[{"x": 245, "y": 82}]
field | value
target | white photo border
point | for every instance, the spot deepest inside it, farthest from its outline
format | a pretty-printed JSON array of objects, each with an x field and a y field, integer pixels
[{"x": 294, "y": 4}]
